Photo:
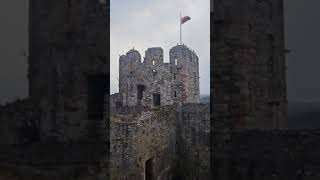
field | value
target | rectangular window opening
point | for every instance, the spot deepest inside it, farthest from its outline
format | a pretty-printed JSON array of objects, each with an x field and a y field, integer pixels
[
  {"x": 156, "y": 100},
  {"x": 140, "y": 89},
  {"x": 97, "y": 88}
]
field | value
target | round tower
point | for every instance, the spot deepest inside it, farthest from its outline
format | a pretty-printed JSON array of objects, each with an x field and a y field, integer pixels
[
  {"x": 128, "y": 69},
  {"x": 185, "y": 71}
]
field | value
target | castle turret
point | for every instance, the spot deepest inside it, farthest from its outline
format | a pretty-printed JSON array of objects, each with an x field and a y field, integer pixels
[
  {"x": 153, "y": 56},
  {"x": 185, "y": 70},
  {"x": 128, "y": 68},
  {"x": 155, "y": 83}
]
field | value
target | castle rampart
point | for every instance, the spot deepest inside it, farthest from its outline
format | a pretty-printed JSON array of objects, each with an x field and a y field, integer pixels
[
  {"x": 174, "y": 138},
  {"x": 155, "y": 83}
]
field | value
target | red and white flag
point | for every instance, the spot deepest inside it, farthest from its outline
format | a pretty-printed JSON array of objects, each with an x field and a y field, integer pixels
[{"x": 184, "y": 19}]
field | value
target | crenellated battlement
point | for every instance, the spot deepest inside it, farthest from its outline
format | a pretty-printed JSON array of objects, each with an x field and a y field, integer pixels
[{"x": 154, "y": 82}]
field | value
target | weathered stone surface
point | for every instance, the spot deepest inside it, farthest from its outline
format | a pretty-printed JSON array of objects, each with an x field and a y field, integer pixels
[
  {"x": 50, "y": 135},
  {"x": 175, "y": 82},
  {"x": 249, "y": 140},
  {"x": 249, "y": 63},
  {"x": 272, "y": 154},
  {"x": 68, "y": 45},
  {"x": 175, "y": 138}
]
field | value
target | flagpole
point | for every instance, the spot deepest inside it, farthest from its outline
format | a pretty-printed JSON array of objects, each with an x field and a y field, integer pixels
[{"x": 180, "y": 30}]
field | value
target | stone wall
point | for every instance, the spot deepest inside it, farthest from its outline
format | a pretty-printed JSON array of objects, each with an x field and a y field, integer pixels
[
  {"x": 19, "y": 123},
  {"x": 136, "y": 137},
  {"x": 115, "y": 100},
  {"x": 175, "y": 138},
  {"x": 68, "y": 52},
  {"x": 256, "y": 155},
  {"x": 23, "y": 156},
  {"x": 194, "y": 142},
  {"x": 50, "y": 136},
  {"x": 53, "y": 162},
  {"x": 249, "y": 64}
]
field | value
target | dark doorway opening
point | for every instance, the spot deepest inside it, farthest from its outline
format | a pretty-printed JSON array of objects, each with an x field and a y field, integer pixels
[
  {"x": 140, "y": 89},
  {"x": 156, "y": 100},
  {"x": 97, "y": 88},
  {"x": 149, "y": 170}
]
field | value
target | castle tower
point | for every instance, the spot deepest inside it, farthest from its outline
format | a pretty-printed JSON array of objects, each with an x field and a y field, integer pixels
[
  {"x": 249, "y": 82},
  {"x": 185, "y": 70},
  {"x": 155, "y": 83},
  {"x": 68, "y": 66},
  {"x": 128, "y": 66},
  {"x": 153, "y": 56}
]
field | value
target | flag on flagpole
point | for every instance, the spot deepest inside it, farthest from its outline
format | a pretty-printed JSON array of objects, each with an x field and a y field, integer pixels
[{"x": 184, "y": 19}]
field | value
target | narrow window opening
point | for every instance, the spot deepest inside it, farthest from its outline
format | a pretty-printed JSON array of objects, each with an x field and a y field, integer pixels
[
  {"x": 153, "y": 62},
  {"x": 174, "y": 76},
  {"x": 149, "y": 170},
  {"x": 175, "y": 93},
  {"x": 156, "y": 100},
  {"x": 97, "y": 88},
  {"x": 140, "y": 89},
  {"x": 176, "y": 62}
]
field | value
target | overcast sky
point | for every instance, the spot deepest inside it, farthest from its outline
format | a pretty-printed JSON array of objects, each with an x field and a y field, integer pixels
[
  {"x": 155, "y": 23},
  {"x": 145, "y": 23}
]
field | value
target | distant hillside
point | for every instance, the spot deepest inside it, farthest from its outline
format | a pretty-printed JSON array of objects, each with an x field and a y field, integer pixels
[
  {"x": 204, "y": 98},
  {"x": 303, "y": 115}
]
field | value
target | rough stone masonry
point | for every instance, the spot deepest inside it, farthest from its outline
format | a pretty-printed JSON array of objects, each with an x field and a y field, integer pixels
[
  {"x": 159, "y": 129},
  {"x": 167, "y": 142},
  {"x": 153, "y": 82},
  {"x": 250, "y": 139},
  {"x": 59, "y": 131}
]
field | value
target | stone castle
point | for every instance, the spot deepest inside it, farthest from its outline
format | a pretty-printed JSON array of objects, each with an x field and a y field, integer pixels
[
  {"x": 156, "y": 128},
  {"x": 153, "y": 82}
]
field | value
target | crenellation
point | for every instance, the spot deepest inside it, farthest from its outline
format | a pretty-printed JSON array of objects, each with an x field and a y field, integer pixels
[
  {"x": 154, "y": 81},
  {"x": 153, "y": 57}
]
